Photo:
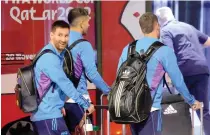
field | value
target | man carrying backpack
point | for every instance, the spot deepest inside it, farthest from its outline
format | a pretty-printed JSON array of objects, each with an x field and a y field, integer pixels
[
  {"x": 49, "y": 75},
  {"x": 84, "y": 65},
  {"x": 162, "y": 61}
]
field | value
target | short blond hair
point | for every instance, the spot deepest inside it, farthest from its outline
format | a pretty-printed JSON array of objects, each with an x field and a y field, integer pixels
[{"x": 147, "y": 21}]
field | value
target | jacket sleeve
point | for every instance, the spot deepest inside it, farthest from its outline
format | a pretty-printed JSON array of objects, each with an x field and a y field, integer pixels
[
  {"x": 201, "y": 36},
  {"x": 52, "y": 67},
  {"x": 170, "y": 65},
  {"x": 88, "y": 61},
  {"x": 166, "y": 38}
]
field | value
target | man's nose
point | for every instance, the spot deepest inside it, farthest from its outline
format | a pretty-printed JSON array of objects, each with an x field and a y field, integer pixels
[{"x": 63, "y": 39}]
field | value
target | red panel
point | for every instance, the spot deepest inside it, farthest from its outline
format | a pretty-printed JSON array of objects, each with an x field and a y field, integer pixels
[
  {"x": 114, "y": 36},
  {"x": 23, "y": 35},
  {"x": 25, "y": 38},
  {"x": 9, "y": 109},
  {"x": 114, "y": 39},
  {"x": 28, "y": 36}
]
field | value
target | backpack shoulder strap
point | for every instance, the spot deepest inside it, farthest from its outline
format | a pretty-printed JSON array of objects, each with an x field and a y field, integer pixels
[
  {"x": 152, "y": 49},
  {"x": 131, "y": 49},
  {"x": 34, "y": 62},
  {"x": 72, "y": 46},
  {"x": 40, "y": 54},
  {"x": 75, "y": 43},
  {"x": 164, "y": 82}
]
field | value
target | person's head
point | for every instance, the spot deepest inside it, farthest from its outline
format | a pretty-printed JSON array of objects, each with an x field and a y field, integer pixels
[
  {"x": 59, "y": 34},
  {"x": 79, "y": 19},
  {"x": 149, "y": 25},
  {"x": 164, "y": 15}
]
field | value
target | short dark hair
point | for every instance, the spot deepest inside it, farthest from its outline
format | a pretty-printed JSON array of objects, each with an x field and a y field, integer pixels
[
  {"x": 75, "y": 13},
  {"x": 147, "y": 21},
  {"x": 59, "y": 23}
]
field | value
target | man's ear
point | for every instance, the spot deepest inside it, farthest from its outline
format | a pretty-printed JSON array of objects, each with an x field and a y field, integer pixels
[
  {"x": 155, "y": 26},
  {"x": 81, "y": 21},
  {"x": 51, "y": 35},
  {"x": 81, "y": 24}
]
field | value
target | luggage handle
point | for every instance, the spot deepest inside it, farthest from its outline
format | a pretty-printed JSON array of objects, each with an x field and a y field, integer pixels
[
  {"x": 85, "y": 114},
  {"x": 103, "y": 95},
  {"x": 108, "y": 119},
  {"x": 85, "y": 121},
  {"x": 201, "y": 119}
]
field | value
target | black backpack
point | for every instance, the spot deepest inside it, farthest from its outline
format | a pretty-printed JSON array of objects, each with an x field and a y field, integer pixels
[
  {"x": 130, "y": 100},
  {"x": 26, "y": 92},
  {"x": 68, "y": 65}
]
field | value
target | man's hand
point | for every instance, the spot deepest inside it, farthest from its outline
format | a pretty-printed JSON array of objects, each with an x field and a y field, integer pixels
[
  {"x": 91, "y": 109},
  {"x": 207, "y": 43},
  {"x": 63, "y": 111},
  {"x": 197, "y": 105}
]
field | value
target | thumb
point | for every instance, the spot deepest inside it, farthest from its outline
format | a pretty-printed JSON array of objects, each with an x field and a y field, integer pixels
[{"x": 193, "y": 107}]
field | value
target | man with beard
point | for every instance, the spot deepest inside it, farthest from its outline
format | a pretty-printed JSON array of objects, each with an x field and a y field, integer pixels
[{"x": 49, "y": 74}]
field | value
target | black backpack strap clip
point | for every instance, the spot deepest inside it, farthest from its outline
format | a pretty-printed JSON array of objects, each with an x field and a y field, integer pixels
[
  {"x": 165, "y": 83},
  {"x": 34, "y": 62},
  {"x": 152, "y": 49},
  {"x": 71, "y": 47},
  {"x": 132, "y": 49}
]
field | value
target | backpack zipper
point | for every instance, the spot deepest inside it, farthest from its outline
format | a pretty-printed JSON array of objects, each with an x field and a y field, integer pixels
[
  {"x": 66, "y": 65},
  {"x": 136, "y": 107},
  {"x": 24, "y": 81},
  {"x": 70, "y": 60},
  {"x": 128, "y": 105}
]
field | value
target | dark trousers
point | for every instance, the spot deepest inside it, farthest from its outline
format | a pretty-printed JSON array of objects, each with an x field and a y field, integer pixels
[
  {"x": 151, "y": 126},
  {"x": 55, "y": 126},
  {"x": 198, "y": 86},
  {"x": 74, "y": 114}
]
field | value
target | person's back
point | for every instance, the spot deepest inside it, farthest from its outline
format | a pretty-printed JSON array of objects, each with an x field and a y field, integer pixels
[
  {"x": 157, "y": 66},
  {"x": 187, "y": 42},
  {"x": 162, "y": 61},
  {"x": 187, "y": 47},
  {"x": 84, "y": 65},
  {"x": 83, "y": 53},
  {"x": 79, "y": 57}
]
